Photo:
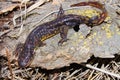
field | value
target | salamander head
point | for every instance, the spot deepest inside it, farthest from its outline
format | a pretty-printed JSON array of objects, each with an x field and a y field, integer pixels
[{"x": 25, "y": 58}]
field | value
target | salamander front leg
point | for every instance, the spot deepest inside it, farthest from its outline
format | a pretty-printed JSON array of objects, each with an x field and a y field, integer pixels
[{"x": 63, "y": 34}]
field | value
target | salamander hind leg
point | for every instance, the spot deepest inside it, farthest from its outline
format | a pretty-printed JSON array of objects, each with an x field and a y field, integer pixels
[{"x": 63, "y": 34}]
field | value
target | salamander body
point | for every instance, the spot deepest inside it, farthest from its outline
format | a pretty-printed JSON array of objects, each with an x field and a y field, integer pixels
[
  {"x": 45, "y": 31},
  {"x": 59, "y": 25}
]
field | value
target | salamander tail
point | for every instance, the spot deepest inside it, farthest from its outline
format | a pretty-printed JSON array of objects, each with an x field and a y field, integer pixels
[{"x": 95, "y": 20}]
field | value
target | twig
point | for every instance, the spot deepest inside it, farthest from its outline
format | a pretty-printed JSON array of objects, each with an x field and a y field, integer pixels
[
  {"x": 55, "y": 76},
  {"x": 9, "y": 65},
  {"x": 93, "y": 78},
  {"x": 89, "y": 78},
  {"x": 20, "y": 71},
  {"x": 28, "y": 10},
  {"x": 5, "y": 32},
  {"x": 41, "y": 76},
  {"x": 106, "y": 72},
  {"x": 21, "y": 28},
  {"x": 76, "y": 71}
]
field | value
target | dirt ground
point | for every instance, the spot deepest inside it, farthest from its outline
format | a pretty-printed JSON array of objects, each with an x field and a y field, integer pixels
[{"x": 96, "y": 57}]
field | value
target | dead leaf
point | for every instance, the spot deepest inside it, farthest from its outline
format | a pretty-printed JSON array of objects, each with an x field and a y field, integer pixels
[{"x": 37, "y": 4}]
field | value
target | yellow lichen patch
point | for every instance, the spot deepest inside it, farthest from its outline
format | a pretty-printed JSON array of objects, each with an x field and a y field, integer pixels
[
  {"x": 74, "y": 35},
  {"x": 78, "y": 37},
  {"x": 81, "y": 36},
  {"x": 89, "y": 12},
  {"x": 99, "y": 42},
  {"x": 92, "y": 36},
  {"x": 109, "y": 33},
  {"x": 107, "y": 18},
  {"x": 86, "y": 45},
  {"x": 85, "y": 49},
  {"x": 117, "y": 30}
]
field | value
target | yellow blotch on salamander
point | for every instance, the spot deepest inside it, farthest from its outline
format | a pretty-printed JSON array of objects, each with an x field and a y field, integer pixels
[{"x": 46, "y": 37}]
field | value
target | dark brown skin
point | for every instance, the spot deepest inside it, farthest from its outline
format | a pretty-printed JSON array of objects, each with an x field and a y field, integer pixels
[{"x": 59, "y": 25}]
